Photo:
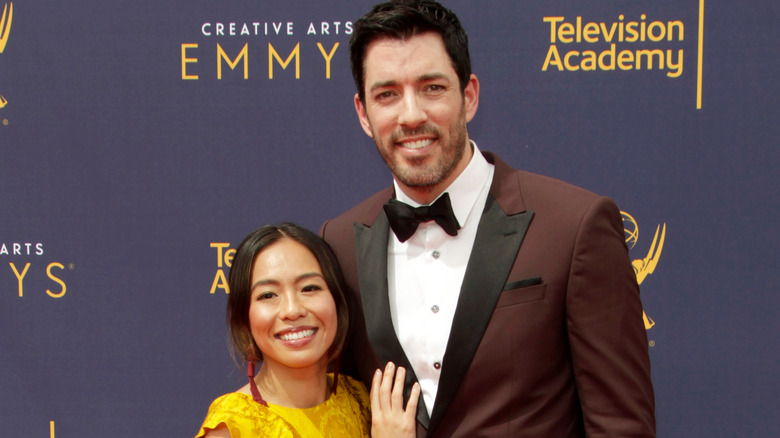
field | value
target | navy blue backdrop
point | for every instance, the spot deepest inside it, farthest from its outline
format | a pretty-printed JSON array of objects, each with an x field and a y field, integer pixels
[{"x": 140, "y": 141}]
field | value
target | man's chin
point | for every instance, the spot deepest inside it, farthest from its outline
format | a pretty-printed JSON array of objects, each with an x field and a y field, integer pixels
[{"x": 422, "y": 182}]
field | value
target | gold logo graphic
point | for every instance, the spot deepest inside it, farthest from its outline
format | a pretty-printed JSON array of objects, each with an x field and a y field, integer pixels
[
  {"x": 644, "y": 266},
  {"x": 5, "y": 26},
  {"x": 5, "y": 29},
  {"x": 224, "y": 261}
]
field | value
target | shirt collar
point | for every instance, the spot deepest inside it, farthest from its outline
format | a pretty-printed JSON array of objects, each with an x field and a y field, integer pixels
[{"x": 464, "y": 191}]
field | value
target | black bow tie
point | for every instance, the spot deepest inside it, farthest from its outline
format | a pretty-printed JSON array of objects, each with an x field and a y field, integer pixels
[{"x": 404, "y": 218}]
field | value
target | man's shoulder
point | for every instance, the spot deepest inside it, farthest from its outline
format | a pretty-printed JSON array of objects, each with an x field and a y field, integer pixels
[
  {"x": 519, "y": 190},
  {"x": 530, "y": 182},
  {"x": 364, "y": 212}
]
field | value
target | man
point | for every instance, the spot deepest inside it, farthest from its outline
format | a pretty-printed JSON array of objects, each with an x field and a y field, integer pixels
[{"x": 519, "y": 316}]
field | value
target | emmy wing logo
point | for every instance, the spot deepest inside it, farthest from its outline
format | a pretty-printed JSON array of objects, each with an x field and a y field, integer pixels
[
  {"x": 5, "y": 29},
  {"x": 644, "y": 266}
]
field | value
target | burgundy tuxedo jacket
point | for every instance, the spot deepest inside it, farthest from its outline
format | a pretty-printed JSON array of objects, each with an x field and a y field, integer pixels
[{"x": 547, "y": 339}]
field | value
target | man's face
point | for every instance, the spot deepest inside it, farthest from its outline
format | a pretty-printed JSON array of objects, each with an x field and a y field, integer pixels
[{"x": 415, "y": 111}]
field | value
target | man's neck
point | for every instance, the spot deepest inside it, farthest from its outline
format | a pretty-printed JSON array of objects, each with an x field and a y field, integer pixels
[{"x": 422, "y": 195}]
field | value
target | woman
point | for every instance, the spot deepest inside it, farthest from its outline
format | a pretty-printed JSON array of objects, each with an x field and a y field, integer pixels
[{"x": 287, "y": 310}]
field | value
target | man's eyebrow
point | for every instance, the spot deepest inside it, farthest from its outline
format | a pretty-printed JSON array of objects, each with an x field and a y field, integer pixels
[
  {"x": 423, "y": 78},
  {"x": 382, "y": 84},
  {"x": 432, "y": 77}
]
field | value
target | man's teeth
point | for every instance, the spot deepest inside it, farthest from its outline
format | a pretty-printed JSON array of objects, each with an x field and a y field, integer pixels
[
  {"x": 416, "y": 144},
  {"x": 297, "y": 335}
]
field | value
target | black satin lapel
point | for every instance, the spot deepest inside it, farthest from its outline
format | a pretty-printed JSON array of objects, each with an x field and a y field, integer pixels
[
  {"x": 371, "y": 254},
  {"x": 371, "y": 247},
  {"x": 498, "y": 240}
]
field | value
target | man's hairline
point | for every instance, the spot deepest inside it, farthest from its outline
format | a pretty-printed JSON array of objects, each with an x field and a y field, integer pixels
[{"x": 386, "y": 36}]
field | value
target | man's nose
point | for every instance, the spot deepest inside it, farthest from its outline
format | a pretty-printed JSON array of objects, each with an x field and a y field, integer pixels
[{"x": 412, "y": 112}]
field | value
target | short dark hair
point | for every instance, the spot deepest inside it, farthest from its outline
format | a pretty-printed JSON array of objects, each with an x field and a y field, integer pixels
[
  {"x": 240, "y": 284},
  {"x": 401, "y": 20}
]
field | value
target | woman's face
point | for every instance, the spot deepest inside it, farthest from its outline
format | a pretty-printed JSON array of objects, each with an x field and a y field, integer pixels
[{"x": 292, "y": 314}]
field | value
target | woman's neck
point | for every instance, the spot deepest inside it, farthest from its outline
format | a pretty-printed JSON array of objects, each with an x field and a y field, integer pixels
[{"x": 293, "y": 388}]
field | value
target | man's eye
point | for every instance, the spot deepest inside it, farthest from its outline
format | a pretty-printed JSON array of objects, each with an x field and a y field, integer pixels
[{"x": 384, "y": 95}]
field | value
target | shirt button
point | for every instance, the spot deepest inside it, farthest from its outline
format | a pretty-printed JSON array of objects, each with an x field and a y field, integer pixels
[
  {"x": 437, "y": 365},
  {"x": 435, "y": 309},
  {"x": 436, "y": 254}
]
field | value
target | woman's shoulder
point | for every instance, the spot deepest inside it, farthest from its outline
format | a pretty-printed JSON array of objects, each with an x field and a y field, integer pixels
[
  {"x": 352, "y": 386},
  {"x": 351, "y": 404},
  {"x": 232, "y": 408},
  {"x": 243, "y": 417},
  {"x": 233, "y": 401}
]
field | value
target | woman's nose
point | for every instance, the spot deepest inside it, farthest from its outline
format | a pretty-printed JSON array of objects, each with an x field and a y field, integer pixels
[{"x": 291, "y": 307}]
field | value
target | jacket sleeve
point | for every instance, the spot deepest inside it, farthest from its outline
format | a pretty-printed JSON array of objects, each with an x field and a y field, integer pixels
[{"x": 606, "y": 333}]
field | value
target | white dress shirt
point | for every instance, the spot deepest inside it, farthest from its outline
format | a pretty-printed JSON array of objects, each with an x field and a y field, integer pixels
[{"x": 425, "y": 273}]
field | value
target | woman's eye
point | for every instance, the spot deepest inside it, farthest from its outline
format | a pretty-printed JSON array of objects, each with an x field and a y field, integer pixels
[
  {"x": 265, "y": 296},
  {"x": 312, "y": 287}
]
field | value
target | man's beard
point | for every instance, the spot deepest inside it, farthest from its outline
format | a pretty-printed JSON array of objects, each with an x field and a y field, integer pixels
[{"x": 411, "y": 173}]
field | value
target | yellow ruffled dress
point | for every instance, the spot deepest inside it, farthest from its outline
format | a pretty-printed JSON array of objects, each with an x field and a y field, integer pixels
[{"x": 344, "y": 414}]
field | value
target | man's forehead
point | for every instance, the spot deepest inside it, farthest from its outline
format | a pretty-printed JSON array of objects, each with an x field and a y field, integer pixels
[
  {"x": 422, "y": 54},
  {"x": 430, "y": 39}
]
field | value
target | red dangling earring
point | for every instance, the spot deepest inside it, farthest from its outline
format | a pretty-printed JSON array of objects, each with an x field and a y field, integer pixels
[
  {"x": 336, "y": 364},
  {"x": 253, "y": 386}
]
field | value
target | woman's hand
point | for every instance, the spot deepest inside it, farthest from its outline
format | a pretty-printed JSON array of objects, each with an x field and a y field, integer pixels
[{"x": 388, "y": 416}]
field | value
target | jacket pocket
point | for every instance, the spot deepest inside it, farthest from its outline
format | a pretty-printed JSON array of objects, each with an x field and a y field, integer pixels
[{"x": 523, "y": 291}]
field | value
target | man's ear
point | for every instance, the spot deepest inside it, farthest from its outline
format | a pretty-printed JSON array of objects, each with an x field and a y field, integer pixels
[
  {"x": 471, "y": 97},
  {"x": 361, "y": 112}
]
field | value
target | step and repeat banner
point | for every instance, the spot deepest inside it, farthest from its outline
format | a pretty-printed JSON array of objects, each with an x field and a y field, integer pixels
[{"x": 141, "y": 141}]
